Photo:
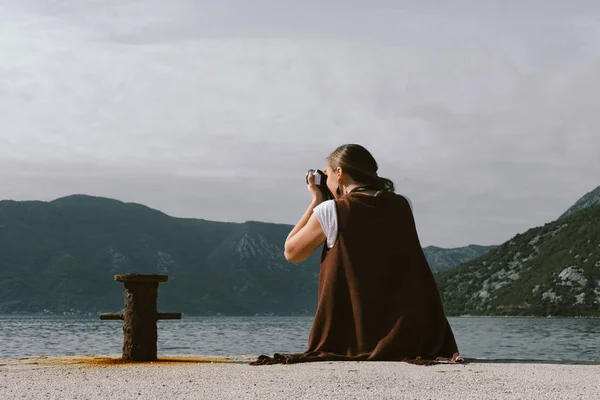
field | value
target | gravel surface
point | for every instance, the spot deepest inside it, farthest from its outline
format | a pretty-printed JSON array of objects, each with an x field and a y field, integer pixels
[{"x": 232, "y": 378}]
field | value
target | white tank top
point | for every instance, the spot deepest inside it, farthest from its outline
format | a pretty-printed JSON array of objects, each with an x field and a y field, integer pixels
[{"x": 326, "y": 213}]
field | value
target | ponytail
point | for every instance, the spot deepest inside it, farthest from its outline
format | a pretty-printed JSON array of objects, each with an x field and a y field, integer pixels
[
  {"x": 375, "y": 182},
  {"x": 384, "y": 184}
]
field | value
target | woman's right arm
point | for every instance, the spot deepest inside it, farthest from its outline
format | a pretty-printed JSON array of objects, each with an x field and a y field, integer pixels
[
  {"x": 304, "y": 241},
  {"x": 308, "y": 234}
]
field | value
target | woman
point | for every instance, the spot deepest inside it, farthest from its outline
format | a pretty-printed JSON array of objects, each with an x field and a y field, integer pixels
[{"x": 378, "y": 299}]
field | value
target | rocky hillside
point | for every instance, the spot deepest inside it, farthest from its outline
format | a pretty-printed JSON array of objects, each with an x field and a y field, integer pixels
[
  {"x": 590, "y": 199},
  {"x": 548, "y": 270},
  {"x": 441, "y": 259},
  {"x": 61, "y": 256}
]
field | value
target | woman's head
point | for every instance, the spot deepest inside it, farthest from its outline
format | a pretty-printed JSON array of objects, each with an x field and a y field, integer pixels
[{"x": 353, "y": 164}]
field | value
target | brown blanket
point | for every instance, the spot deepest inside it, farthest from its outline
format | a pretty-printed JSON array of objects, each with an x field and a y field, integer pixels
[{"x": 378, "y": 300}]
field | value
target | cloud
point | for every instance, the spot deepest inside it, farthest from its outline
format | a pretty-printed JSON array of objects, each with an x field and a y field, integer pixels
[{"x": 485, "y": 118}]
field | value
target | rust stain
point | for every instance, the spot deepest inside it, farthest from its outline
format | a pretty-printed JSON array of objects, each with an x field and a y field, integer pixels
[{"x": 116, "y": 362}]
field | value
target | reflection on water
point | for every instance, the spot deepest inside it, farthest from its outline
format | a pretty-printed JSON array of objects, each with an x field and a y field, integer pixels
[{"x": 552, "y": 339}]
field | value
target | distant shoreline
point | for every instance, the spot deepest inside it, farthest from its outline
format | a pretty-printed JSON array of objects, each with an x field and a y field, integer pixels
[{"x": 94, "y": 316}]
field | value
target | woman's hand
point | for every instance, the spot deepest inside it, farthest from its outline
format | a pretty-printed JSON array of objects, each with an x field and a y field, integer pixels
[{"x": 317, "y": 194}]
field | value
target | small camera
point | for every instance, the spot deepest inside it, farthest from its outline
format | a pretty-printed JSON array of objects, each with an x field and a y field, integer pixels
[
  {"x": 320, "y": 177},
  {"x": 321, "y": 182}
]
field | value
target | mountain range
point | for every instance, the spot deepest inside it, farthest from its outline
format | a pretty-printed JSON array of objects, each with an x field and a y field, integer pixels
[
  {"x": 441, "y": 259},
  {"x": 61, "y": 256}
]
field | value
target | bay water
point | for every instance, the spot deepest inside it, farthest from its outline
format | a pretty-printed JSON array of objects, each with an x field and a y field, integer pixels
[{"x": 492, "y": 338}]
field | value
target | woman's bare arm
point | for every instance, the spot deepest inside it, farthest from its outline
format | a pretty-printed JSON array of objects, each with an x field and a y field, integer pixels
[{"x": 306, "y": 236}]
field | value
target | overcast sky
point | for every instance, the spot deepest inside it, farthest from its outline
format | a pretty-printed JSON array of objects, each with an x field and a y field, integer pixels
[{"x": 486, "y": 114}]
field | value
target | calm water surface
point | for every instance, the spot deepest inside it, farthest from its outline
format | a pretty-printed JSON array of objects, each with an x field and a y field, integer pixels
[{"x": 551, "y": 339}]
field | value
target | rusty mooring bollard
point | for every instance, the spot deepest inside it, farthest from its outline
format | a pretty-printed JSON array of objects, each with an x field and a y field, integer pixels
[{"x": 139, "y": 319}]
